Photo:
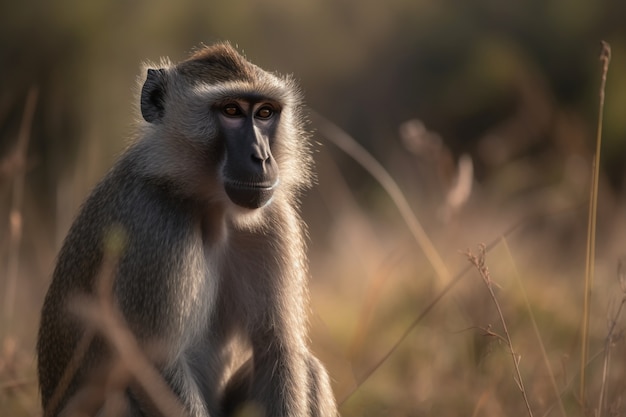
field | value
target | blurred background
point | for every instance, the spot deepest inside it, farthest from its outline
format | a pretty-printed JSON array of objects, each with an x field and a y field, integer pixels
[{"x": 485, "y": 114}]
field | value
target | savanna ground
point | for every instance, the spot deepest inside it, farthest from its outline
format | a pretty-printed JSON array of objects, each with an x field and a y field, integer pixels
[{"x": 403, "y": 320}]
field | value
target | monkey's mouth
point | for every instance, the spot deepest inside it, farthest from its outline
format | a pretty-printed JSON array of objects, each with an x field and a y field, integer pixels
[{"x": 251, "y": 195}]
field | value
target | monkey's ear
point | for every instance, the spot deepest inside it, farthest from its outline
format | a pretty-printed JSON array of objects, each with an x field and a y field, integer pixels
[{"x": 153, "y": 95}]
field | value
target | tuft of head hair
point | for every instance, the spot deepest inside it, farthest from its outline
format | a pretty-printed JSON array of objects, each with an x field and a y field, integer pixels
[{"x": 217, "y": 63}]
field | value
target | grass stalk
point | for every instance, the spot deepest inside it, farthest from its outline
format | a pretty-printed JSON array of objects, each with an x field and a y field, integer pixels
[
  {"x": 352, "y": 148},
  {"x": 479, "y": 263},
  {"x": 605, "y": 58},
  {"x": 607, "y": 357},
  {"x": 544, "y": 353},
  {"x": 17, "y": 161}
]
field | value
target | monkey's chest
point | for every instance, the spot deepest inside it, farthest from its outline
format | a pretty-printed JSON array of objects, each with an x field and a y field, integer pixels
[{"x": 246, "y": 288}]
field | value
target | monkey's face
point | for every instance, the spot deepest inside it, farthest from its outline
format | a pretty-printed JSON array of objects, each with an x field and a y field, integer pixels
[
  {"x": 224, "y": 127},
  {"x": 234, "y": 129},
  {"x": 247, "y": 128}
]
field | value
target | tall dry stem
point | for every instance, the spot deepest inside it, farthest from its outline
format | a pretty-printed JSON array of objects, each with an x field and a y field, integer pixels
[
  {"x": 17, "y": 162},
  {"x": 352, "y": 148},
  {"x": 605, "y": 58},
  {"x": 544, "y": 353},
  {"x": 479, "y": 263},
  {"x": 610, "y": 338}
]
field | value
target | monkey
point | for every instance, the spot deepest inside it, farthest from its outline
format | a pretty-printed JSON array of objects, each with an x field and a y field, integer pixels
[{"x": 213, "y": 269}]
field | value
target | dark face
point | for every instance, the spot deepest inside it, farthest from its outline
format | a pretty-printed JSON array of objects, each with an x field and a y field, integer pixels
[{"x": 248, "y": 128}]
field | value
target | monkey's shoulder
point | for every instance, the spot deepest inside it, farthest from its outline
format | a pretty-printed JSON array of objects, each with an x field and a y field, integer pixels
[
  {"x": 142, "y": 212},
  {"x": 128, "y": 197}
]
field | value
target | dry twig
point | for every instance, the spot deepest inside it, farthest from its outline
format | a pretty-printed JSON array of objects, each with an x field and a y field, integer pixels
[
  {"x": 352, "y": 148},
  {"x": 17, "y": 163},
  {"x": 605, "y": 58},
  {"x": 610, "y": 338},
  {"x": 479, "y": 263},
  {"x": 533, "y": 320}
]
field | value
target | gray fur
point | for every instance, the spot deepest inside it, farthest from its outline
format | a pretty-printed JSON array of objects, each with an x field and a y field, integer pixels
[{"x": 200, "y": 279}]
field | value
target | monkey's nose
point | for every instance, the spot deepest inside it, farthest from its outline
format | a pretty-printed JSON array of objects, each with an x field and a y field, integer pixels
[
  {"x": 260, "y": 154},
  {"x": 262, "y": 164}
]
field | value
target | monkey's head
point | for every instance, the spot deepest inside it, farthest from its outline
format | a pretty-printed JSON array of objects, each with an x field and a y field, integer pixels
[{"x": 221, "y": 126}]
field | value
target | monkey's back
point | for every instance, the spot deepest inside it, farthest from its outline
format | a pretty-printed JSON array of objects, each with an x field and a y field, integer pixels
[{"x": 150, "y": 217}]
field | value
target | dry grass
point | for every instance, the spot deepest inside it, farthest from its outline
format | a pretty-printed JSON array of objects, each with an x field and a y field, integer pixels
[
  {"x": 605, "y": 58},
  {"x": 479, "y": 263}
]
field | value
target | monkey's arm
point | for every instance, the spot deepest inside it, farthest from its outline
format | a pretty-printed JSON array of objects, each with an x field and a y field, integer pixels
[{"x": 287, "y": 379}]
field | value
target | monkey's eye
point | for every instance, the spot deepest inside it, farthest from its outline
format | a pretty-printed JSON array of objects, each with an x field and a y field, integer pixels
[
  {"x": 231, "y": 110},
  {"x": 264, "y": 112}
]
